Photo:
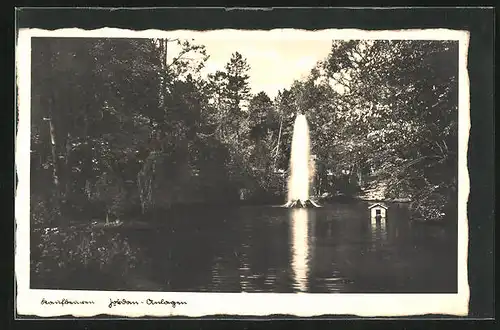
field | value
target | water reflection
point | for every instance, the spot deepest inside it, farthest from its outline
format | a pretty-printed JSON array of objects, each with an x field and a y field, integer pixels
[
  {"x": 302, "y": 238},
  {"x": 336, "y": 248},
  {"x": 379, "y": 230}
]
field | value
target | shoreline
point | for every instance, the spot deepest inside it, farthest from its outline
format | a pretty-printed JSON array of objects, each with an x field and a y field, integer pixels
[
  {"x": 384, "y": 200},
  {"x": 365, "y": 199},
  {"x": 144, "y": 222}
]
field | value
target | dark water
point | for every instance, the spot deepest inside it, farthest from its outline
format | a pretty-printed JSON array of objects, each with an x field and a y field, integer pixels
[{"x": 270, "y": 249}]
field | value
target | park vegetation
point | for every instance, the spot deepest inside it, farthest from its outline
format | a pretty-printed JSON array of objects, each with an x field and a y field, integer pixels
[{"x": 117, "y": 132}]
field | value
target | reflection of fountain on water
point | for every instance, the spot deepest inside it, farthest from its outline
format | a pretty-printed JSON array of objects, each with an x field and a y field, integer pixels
[
  {"x": 300, "y": 166},
  {"x": 301, "y": 248}
]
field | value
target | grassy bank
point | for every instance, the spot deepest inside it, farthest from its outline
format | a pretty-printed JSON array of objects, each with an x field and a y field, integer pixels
[{"x": 61, "y": 257}]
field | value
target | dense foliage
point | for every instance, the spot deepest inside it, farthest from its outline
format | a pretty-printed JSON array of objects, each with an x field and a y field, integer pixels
[
  {"x": 61, "y": 257},
  {"x": 117, "y": 131}
]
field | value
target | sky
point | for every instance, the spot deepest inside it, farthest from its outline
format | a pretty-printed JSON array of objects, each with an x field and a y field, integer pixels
[{"x": 274, "y": 62}]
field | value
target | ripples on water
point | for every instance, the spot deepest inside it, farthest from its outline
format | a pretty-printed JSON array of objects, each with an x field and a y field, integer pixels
[{"x": 331, "y": 249}]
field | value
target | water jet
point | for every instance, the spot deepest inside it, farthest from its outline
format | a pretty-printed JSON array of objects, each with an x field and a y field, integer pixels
[{"x": 300, "y": 170}]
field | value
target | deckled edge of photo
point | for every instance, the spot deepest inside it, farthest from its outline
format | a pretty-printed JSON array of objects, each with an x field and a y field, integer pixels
[{"x": 235, "y": 304}]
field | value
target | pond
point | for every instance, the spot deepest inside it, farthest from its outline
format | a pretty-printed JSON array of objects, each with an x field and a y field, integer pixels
[{"x": 333, "y": 249}]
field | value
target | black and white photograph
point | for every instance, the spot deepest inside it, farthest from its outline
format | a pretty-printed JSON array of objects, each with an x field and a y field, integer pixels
[{"x": 270, "y": 171}]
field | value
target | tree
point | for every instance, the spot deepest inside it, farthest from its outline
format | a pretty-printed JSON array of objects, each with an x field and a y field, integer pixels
[
  {"x": 398, "y": 99},
  {"x": 228, "y": 92},
  {"x": 110, "y": 191},
  {"x": 263, "y": 136},
  {"x": 261, "y": 116},
  {"x": 106, "y": 105},
  {"x": 64, "y": 107},
  {"x": 237, "y": 87}
]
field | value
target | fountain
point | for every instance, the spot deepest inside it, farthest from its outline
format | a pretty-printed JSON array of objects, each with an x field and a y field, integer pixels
[{"x": 300, "y": 171}]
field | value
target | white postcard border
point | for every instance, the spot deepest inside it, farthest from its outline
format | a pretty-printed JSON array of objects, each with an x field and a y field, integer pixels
[{"x": 28, "y": 301}]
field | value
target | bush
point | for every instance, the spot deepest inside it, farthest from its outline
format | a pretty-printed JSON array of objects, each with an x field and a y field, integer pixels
[
  {"x": 76, "y": 257},
  {"x": 41, "y": 212},
  {"x": 433, "y": 207}
]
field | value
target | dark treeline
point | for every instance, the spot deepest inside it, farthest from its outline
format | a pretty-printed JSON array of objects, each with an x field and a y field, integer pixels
[{"x": 117, "y": 131}]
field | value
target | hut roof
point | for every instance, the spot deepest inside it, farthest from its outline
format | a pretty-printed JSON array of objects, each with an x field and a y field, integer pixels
[{"x": 377, "y": 204}]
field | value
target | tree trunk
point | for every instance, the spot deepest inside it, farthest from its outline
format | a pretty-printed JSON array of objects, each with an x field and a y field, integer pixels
[
  {"x": 53, "y": 148},
  {"x": 55, "y": 173},
  {"x": 163, "y": 78},
  {"x": 320, "y": 182},
  {"x": 360, "y": 177},
  {"x": 278, "y": 144},
  {"x": 67, "y": 169}
]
